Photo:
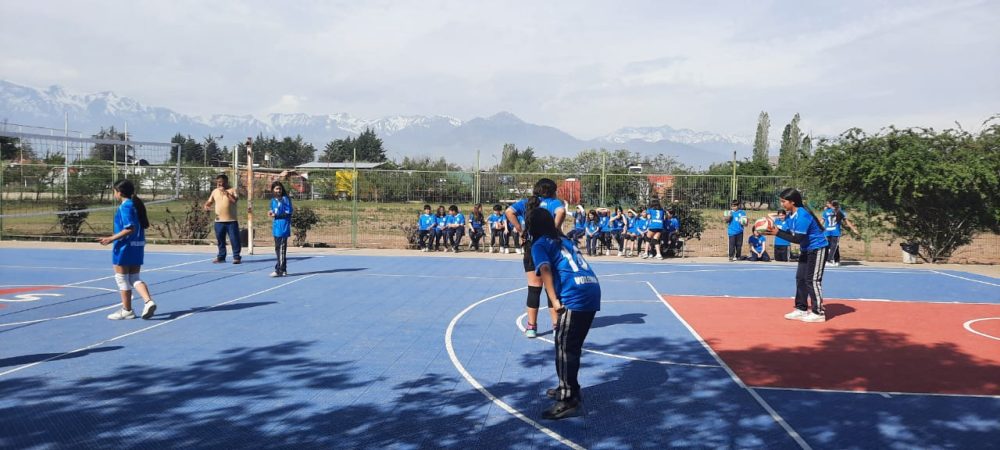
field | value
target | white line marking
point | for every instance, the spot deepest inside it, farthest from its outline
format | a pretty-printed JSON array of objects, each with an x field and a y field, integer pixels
[
  {"x": 479, "y": 387},
  {"x": 886, "y": 394},
  {"x": 966, "y": 279},
  {"x": 774, "y": 414},
  {"x": 968, "y": 326},
  {"x": 150, "y": 270},
  {"x": 141, "y": 330},
  {"x": 26, "y": 322},
  {"x": 615, "y": 355},
  {"x": 828, "y": 299}
]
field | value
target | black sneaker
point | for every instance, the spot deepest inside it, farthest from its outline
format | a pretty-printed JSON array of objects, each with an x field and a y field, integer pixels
[
  {"x": 552, "y": 393},
  {"x": 563, "y": 409},
  {"x": 218, "y": 260},
  {"x": 237, "y": 260}
]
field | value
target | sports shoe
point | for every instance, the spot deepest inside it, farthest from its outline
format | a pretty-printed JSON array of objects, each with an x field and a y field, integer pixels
[
  {"x": 275, "y": 274},
  {"x": 237, "y": 260},
  {"x": 520, "y": 251},
  {"x": 218, "y": 260},
  {"x": 813, "y": 317},
  {"x": 645, "y": 256},
  {"x": 121, "y": 314},
  {"x": 796, "y": 314},
  {"x": 835, "y": 264},
  {"x": 660, "y": 257},
  {"x": 621, "y": 253},
  {"x": 531, "y": 332},
  {"x": 563, "y": 409},
  {"x": 148, "y": 309},
  {"x": 551, "y": 393},
  {"x": 492, "y": 250}
]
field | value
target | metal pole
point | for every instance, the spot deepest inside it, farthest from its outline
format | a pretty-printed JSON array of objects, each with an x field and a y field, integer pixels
[
  {"x": 604, "y": 180},
  {"x": 354, "y": 202},
  {"x": 125, "y": 150},
  {"x": 249, "y": 195},
  {"x": 177, "y": 174},
  {"x": 475, "y": 185},
  {"x": 66, "y": 158},
  {"x": 734, "y": 190},
  {"x": 3, "y": 190}
]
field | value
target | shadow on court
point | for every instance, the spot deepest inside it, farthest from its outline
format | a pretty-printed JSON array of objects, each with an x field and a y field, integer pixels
[
  {"x": 230, "y": 307},
  {"x": 272, "y": 260},
  {"x": 317, "y": 272},
  {"x": 28, "y": 359},
  {"x": 837, "y": 309}
]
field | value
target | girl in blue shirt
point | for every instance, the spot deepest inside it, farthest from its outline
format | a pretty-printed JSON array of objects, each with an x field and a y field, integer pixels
[
  {"x": 281, "y": 212},
  {"x": 439, "y": 227},
  {"x": 476, "y": 222},
  {"x": 425, "y": 228},
  {"x": 604, "y": 220},
  {"x": 575, "y": 296},
  {"x": 617, "y": 227},
  {"x": 593, "y": 232},
  {"x": 780, "y": 245},
  {"x": 579, "y": 225},
  {"x": 129, "y": 238},
  {"x": 655, "y": 224},
  {"x": 454, "y": 229},
  {"x": 736, "y": 218},
  {"x": 803, "y": 228},
  {"x": 631, "y": 233},
  {"x": 498, "y": 230},
  {"x": 833, "y": 219}
]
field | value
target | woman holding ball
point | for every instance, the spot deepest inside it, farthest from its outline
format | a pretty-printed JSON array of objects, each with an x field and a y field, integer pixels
[{"x": 804, "y": 228}]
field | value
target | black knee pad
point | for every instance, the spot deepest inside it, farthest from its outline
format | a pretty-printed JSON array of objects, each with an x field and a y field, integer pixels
[{"x": 534, "y": 296}]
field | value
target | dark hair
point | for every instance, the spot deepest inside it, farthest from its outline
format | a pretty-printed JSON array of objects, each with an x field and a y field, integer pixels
[
  {"x": 477, "y": 212},
  {"x": 594, "y": 212},
  {"x": 127, "y": 190},
  {"x": 734, "y": 203},
  {"x": 497, "y": 207},
  {"x": 224, "y": 178},
  {"x": 541, "y": 223},
  {"x": 284, "y": 193},
  {"x": 543, "y": 188},
  {"x": 440, "y": 211},
  {"x": 654, "y": 204},
  {"x": 794, "y": 196},
  {"x": 453, "y": 208},
  {"x": 836, "y": 210},
  {"x": 427, "y": 206}
]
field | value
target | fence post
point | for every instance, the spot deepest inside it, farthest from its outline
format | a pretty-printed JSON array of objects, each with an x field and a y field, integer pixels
[
  {"x": 734, "y": 189},
  {"x": 604, "y": 179},
  {"x": 354, "y": 203},
  {"x": 3, "y": 190},
  {"x": 476, "y": 183}
]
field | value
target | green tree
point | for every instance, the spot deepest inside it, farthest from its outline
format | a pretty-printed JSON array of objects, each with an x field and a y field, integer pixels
[
  {"x": 111, "y": 152},
  {"x": 213, "y": 155},
  {"x": 367, "y": 144},
  {"x": 338, "y": 150},
  {"x": 936, "y": 189},
  {"x": 514, "y": 160},
  {"x": 15, "y": 148},
  {"x": 761, "y": 146},
  {"x": 791, "y": 139},
  {"x": 287, "y": 152},
  {"x": 192, "y": 151}
]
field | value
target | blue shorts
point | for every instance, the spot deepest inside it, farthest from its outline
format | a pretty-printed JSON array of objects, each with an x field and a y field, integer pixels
[{"x": 126, "y": 254}]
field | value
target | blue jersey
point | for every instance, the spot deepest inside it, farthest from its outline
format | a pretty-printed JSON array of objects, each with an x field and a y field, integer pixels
[
  {"x": 641, "y": 225},
  {"x": 593, "y": 227},
  {"x": 757, "y": 243},
  {"x": 497, "y": 221},
  {"x": 673, "y": 225},
  {"x": 282, "y": 209},
  {"x": 129, "y": 250},
  {"x": 579, "y": 221},
  {"x": 655, "y": 221},
  {"x": 572, "y": 278},
  {"x": 779, "y": 223},
  {"x": 457, "y": 219},
  {"x": 476, "y": 224},
  {"x": 426, "y": 222},
  {"x": 440, "y": 221},
  {"x": 831, "y": 222},
  {"x": 605, "y": 223},
  {"x": 802, "y": 223},
  {"x": 618, "y": 224},
  {"x": 735, "y": 226},
  {"x": 550, "y": 204},
  {"x": 632, "y": 222}
]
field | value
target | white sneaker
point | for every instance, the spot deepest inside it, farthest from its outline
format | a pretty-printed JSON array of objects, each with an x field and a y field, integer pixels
[
  {"x": 492, "y": 250},
  {"x": 148, "y": 309},
  {"x": 520, "y": 251},
  {"x": 645, "y": 256},
  {"x": 620, "y": 253},
  {"x": 121, "y": 314},
  {"x": 796, "y": 314},
  {"x": 835, "y": 264},
  {"x": 660, "y": 257},
  {"x": 275, "y": 274},
  {"x": 813, "y": 317}
]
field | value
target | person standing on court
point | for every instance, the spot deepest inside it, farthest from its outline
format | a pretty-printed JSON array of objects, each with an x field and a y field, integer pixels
[
  {"x": 281, "y": 229},
  {"x": 804, "y": 228},
  {"x": 543, "y": 196},
  {"x": 736, "y": 218},
  {"x": 780, "y": 245},
  {"x": 224, "y": 197},
  {"x": 575, "y": 295},
  {"x": 127, "y": 254},
  {"x": 833, "y": 218}
]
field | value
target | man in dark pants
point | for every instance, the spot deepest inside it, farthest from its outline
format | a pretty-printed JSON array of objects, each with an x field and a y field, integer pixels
[
  {"x": 224, "y": 198},
  {"x": 736, "y": 218}
]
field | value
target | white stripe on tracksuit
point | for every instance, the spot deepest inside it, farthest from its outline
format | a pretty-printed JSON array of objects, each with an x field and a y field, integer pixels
[{"x": 817, "y": 279}]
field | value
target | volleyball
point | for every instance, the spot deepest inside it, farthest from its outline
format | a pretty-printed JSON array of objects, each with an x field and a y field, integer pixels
[
  {"x": 743, "y": 220},
  {"x": 762, "y": 224}
]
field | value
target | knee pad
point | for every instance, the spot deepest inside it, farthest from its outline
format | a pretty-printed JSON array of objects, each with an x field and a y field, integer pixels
[
  {"x": 134, "y": 280},
  {"x": 121, "y": 279},
  {"x": 534, "y": 296}
]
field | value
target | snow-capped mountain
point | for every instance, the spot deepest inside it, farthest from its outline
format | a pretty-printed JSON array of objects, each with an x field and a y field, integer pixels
[{"x": 403, "y": 135}]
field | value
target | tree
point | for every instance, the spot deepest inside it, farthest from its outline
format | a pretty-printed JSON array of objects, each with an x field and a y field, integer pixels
[
  {"x": 791, "y": 138},
  {"x": 15, "y": 148},
  {"x": 936, "y": 189},
  {"x": 111, "y": 152},
  {"x": 761, "y": 146},
  {"x": 192, "y": 152},
  {"x": 338, "y": 150},
  {"x": 288, "y": 152},
  {"x": 514, "y": 160},
  {"x": 212, "y": 154},
  {"x": 368, "y": 146}
]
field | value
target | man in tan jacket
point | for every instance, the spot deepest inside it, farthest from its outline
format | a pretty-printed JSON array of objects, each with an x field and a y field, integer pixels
[{"x": 224, "y": 198}]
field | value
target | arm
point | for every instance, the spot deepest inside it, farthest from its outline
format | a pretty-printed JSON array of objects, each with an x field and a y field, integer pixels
[
  {"x": 210, "y": 201},
  {"x": 231, "y": 193},
  {"x": 116, "y": 236},
  {"x": 850, "y": 225},
  {"x": 550, "y": 290},
  {"x": 512, "y": 219},
  {"x": 560, "y": 217}
]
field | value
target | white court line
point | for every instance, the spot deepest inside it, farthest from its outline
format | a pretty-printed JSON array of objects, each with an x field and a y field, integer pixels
[
  {"x": 760, "y": 400},
  {"x": 479, "y": 387},
  {"x": 966, "y": 279},
  {"x": 886, "y": 394},
  {"x": 150, "y": 270},
  {"x": 827, "y": 299},
  {"x": 968, "y": 326},
  {"x": 142, "y": 330},
  {"x": 615, "y": 355},
  {"x": 26, "y": 322}
]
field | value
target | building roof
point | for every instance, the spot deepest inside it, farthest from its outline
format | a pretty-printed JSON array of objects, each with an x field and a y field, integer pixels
[{"x": 338, "y": 165}]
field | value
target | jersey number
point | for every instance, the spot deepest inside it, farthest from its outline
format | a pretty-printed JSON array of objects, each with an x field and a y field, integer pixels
[{"x": 575, "y": 259}]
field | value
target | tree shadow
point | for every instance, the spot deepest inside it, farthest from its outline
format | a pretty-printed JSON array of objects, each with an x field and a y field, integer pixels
[
  {"x": 230, "y": 307},
  {"x": 28, "y": 359},
  {"x": 837, "y": 309},
  {"x": 602, "y": 321},
  {"x": 316, "y": 272},
  {"x": 272, "y": 260}
]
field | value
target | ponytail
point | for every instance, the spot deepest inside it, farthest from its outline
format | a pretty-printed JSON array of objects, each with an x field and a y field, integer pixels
[{"x": 140, "y": 209}]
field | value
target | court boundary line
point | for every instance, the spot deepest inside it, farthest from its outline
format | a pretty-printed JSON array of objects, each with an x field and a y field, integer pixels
[
  {"x": 827, "y": 299},
  {"x": 482, "y": 390},
  {"x": 968, "y": 326},
  {"x": 882, "y": 393},
  {"x": 77, "y": 314},
  {"x": 142, "y": 330},
  {"x": 964, "y": 278},
  {"x": 150, "y": 270},
  {"x": 760, "y": 400}
]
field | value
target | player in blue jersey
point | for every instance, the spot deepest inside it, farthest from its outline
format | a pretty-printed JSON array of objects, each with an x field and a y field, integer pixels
[
  {"x": 655, "y": 228},
  {"x": 579, "y": 224},
  {"x": 129, "y": 238},
  {"x": 631, "y": 233},
  {"x": 439, "y": 227},
  {"x": 575, "y": 296},
  {"x": 593, "y": 232},
  {"x": 804, "y": 228},
  {"x": 736, "y": 219},
  {"x": 498, "y": 230},
  {"x": 454, "y": 229},
  {"x": 671, "y": 233},
  {"x": 543, "y": 197},
  {"x": 617, "y": 227},
  {"x": 758, "y": 247},
  {"x": 780, "y": 245},
  {"x": 476, "y": 224},
  {"x": 281, "y": 212},
  {"x": 833, "y": 218},
  {"x": 604, "y": 221},
  {"x": 425, "y": 229}
]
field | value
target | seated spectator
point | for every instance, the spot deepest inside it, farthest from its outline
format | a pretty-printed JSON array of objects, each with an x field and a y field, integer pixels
[
  {"x": 579, "y": 225},
  {"x": 439, "y": 227},
  {"x": 454, "y": 229},
  {"x": 425, "y": 229},
  {"x": 758, "y": 247},
  {"x": 498, "y": 230},
  {"x": 476, "y": 223}
]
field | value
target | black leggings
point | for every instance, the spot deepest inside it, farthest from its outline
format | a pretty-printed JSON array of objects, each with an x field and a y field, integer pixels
[
  {"x": 571, "y": 331},
  {"x": 736, "y": 246},
  {"x": 833, "y": 255},
  {"x": 280, "y": 252},
  {"x": 809, "y": 280}
]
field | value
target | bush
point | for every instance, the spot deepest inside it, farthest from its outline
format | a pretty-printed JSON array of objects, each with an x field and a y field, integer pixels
[
  {"x": 303, "y": 219},
  {"x": 692, "y": 223},
  {"x": 71, "y": 223},
  {"x": 194, "y": 227}
]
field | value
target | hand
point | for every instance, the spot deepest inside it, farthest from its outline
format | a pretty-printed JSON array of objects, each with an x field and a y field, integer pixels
[
  {"x": 106, "y": 240},
  {"x": 270, "y": 214}
]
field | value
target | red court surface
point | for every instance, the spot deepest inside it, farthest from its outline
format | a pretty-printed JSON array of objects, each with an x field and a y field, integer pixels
[{"x": 864, "y": 345}]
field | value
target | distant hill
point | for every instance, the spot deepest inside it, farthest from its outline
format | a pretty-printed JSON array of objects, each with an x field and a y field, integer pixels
[{"x": 434, "y": 136}]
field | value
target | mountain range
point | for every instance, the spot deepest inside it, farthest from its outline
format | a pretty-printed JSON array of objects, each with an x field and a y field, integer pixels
[{"x": 435, "y": 136}]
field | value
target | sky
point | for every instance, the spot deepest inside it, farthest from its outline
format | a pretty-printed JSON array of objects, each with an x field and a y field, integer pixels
[{"x": 585, "y": 67}]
